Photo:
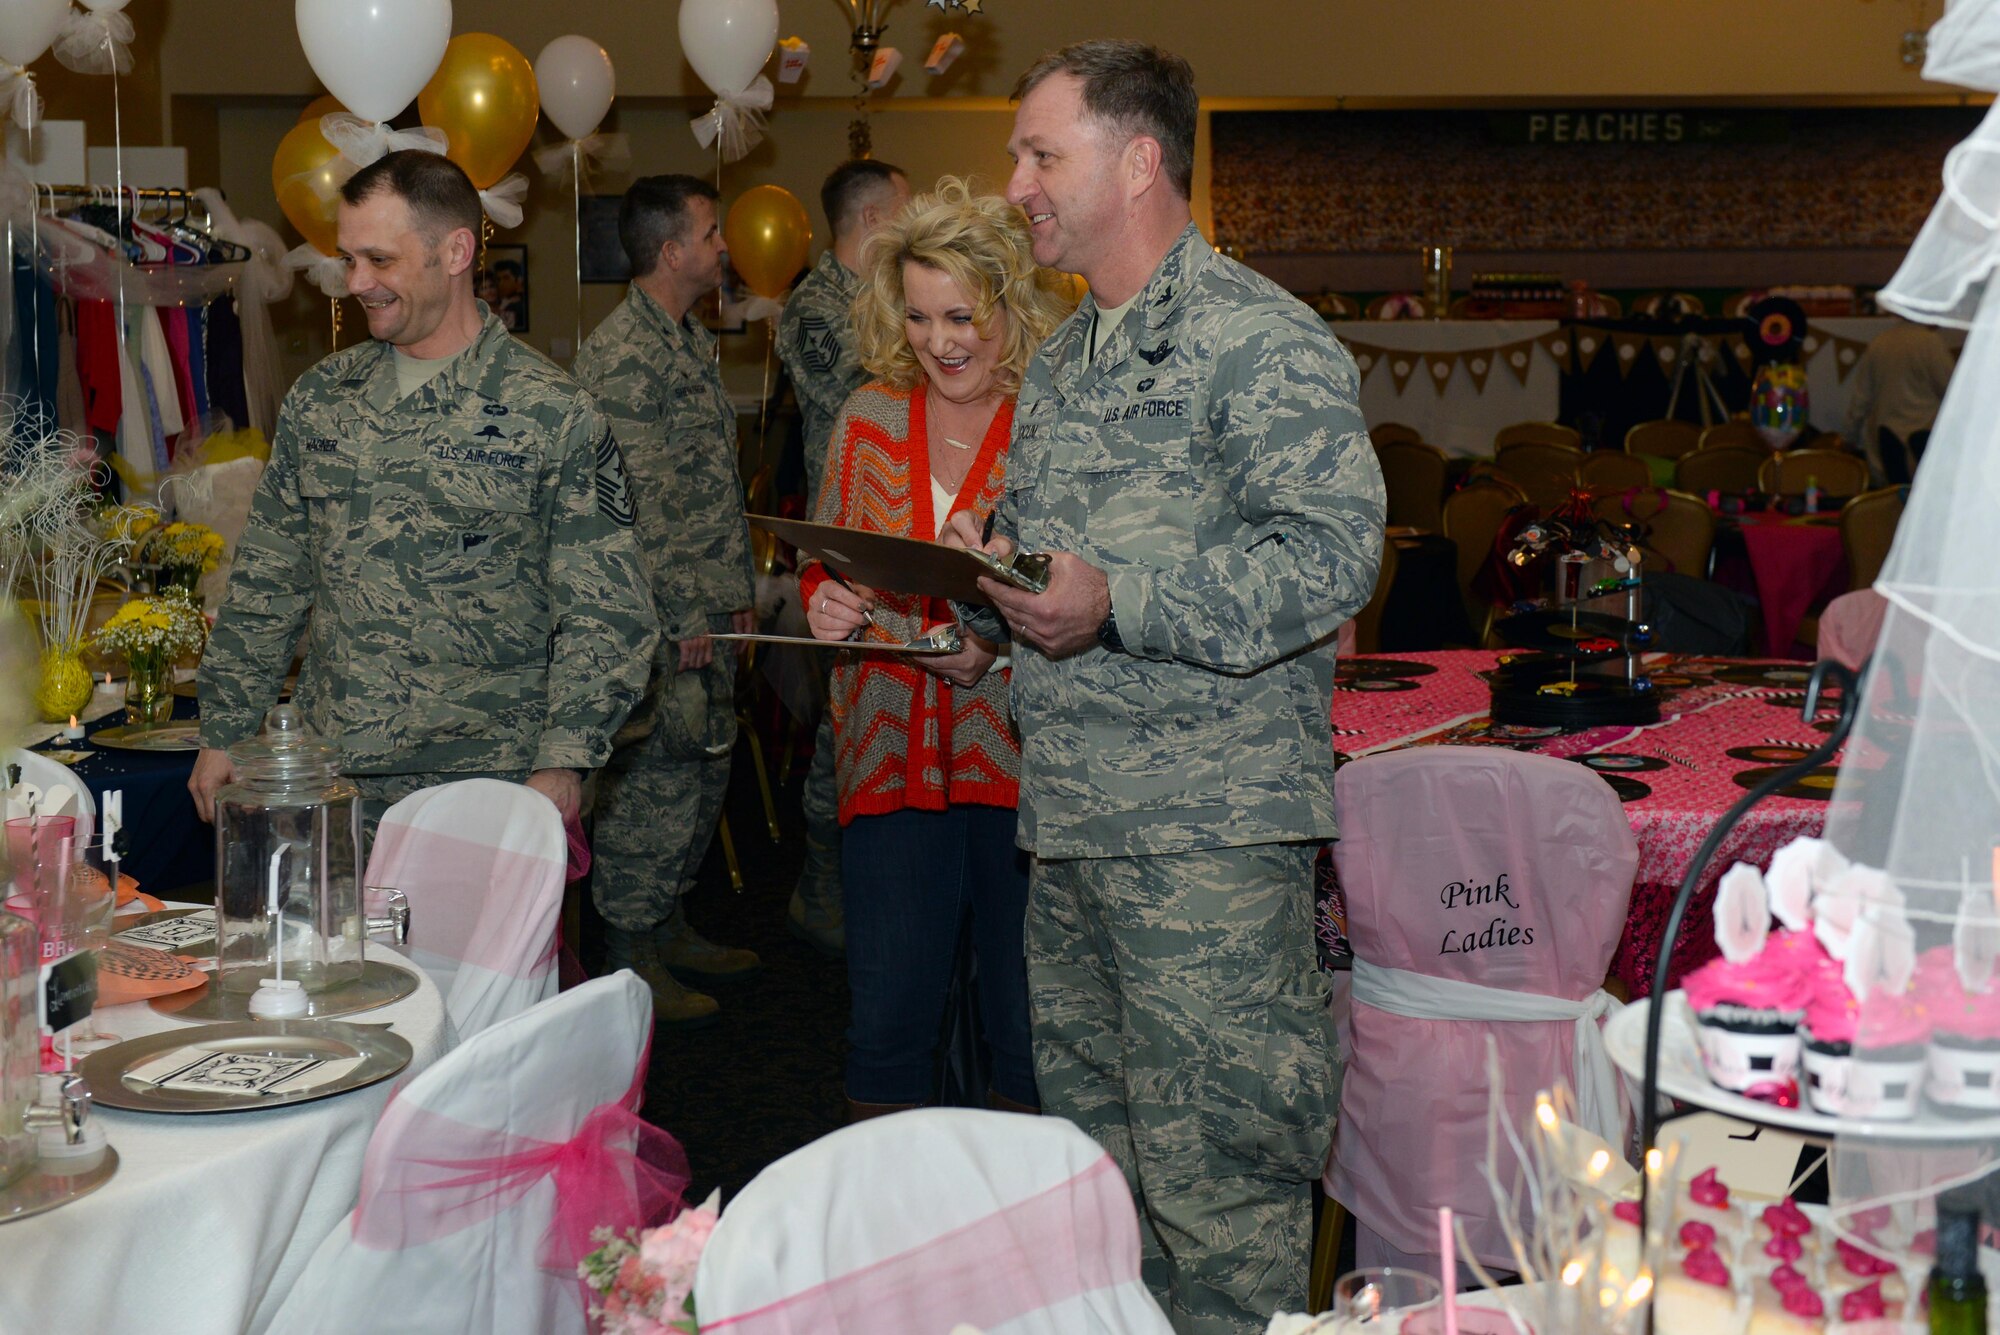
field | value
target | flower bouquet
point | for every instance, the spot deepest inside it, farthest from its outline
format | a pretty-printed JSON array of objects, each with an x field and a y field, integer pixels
[
  {"x": 151, "y": 633},
  {"x": 646, "y": 1278},
  {"x": 184, "y": 552}
]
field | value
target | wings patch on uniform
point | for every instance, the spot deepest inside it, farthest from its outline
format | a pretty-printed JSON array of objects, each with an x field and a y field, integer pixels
[
  {"x": 614, "y": 485},
  {"x": 819, "y": 346}
]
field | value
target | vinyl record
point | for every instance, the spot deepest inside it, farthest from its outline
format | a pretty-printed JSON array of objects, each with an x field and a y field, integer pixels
[
  {"x": 1796, "y": 701},
  {"x": 1551, "y": 632},
  {"x": 1815, "y": 784},
  {"x": 1678, "y": 681},
  {"x": 1374, "y": 685},
  {"x": 1753, "y": 674},
  {"x": 1611, "y": 762},
  {"x": 1628, "y": 790},
  {"x": 1523, "y": 732},
  {"x": 1769, "y": 755},
  {"x": 1381, "y": 667}
]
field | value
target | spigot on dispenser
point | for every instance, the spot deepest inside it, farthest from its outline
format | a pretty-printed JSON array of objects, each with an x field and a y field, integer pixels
[{"x": 61, "y": 1120}]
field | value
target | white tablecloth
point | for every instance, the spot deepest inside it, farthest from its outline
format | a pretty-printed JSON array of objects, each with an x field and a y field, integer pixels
[
  {"x": 210, "y": 1218},
  {"x": 1462, "y": 420}
]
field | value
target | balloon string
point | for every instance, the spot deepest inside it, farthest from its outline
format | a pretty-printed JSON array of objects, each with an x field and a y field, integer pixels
[
  {"x": 719, "y": 321},
  {"x": 118, "y": 173},
  {"x": 576, "y": 216},
  {"x": 764, "y": 399}
]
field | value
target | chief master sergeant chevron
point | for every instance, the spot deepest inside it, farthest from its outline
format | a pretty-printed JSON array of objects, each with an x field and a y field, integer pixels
[
  {"x": 446, "y": 518},
  {"x": 1190, "y": 447}
]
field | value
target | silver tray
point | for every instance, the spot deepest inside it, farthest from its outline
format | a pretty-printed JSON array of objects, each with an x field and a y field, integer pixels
[
  {"x": 378, "y": 985},
  {"x": 42, "y": 1189},
  {"x": 385, "y": 1054},
  {"x": 159, "y": 737}
]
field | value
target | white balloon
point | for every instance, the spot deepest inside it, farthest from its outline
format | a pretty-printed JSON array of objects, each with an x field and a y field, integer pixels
[
  {"x": 374, "y": 55},
  {"x": 103, "y": 6},
  {"x": 577, "y": 84},
  {"x": 728, "y": 41},
  {"x": 27, "y": 27}
]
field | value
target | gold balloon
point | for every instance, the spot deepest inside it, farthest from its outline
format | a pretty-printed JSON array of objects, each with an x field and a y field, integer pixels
[
  {"x": 307, "y": 186},
  {"x": 769, "y": 238},
  {"x": 485, "y": 100},
  {"x": 324, "y": 105}
]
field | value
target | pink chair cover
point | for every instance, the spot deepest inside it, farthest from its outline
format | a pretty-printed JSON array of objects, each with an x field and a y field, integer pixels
[
  {"x": 1850, "y": 626},
  {"x": 485, "y": 1175},
  {"x": 45, "y": 774},
  {"x": 483, "y": 864},
  {"x": 918, "y": 1222},
  {"x": 1426, "y": 837}
]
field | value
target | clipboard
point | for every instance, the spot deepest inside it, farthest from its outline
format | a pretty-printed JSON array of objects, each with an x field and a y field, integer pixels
[
  {"x": 907, "y": 565},
  {"x": 940, "y": 642}
]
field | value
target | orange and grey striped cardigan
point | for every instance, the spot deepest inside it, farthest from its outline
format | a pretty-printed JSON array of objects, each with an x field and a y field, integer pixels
[{"x": 905, "y": 739}]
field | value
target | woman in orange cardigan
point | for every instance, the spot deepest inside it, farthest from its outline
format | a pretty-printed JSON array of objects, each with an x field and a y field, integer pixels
[{"x": 950, "y": 310}]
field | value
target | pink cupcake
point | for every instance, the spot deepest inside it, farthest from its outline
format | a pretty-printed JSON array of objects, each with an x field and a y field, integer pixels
[
  {"x": 1885, "y": 1079},
  {"x": 1962, "y": 1064},
  {"x": 1748, "y": 1004}
]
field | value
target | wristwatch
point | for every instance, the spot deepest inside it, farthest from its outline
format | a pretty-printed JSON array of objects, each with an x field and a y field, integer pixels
[{"x": 1107, "y": 633}]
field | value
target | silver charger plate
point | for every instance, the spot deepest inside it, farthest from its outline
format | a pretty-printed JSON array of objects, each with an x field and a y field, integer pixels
[
  {"x": 384, "y": 1054},
  {"x": 42, "y": 1189},
  {"x": 159, "y": 737},
  {"x": 378, "y": 985}
]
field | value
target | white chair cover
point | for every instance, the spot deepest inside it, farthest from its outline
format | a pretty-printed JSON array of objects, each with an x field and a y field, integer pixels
[
  {"x": 482, "y": 865},
  {"x": 402, "y": 1261},
  {"x": 1468, "y": 872},
  {"x": 45, "y": 774},
  {"x": 921, "y": 1221}
]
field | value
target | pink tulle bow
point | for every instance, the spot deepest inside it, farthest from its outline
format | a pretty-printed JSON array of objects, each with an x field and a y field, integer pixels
[
  {"x": 579, "y": 849},
  {"x": 427, "y": 1176}
]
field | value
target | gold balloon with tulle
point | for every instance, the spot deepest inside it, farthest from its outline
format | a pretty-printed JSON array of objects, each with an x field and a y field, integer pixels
[
  {"x": 305, "y": 179},
  {"x": 326, "y": 104},
  {"x": 484, "y": 98},
  {"x": 769, "y": 238}
]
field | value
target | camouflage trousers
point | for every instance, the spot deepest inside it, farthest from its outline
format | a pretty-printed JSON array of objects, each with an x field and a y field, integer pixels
[
  {"x": 1180, "y": 1018},
  {"x": 656, "y": 814},
  {"x": 819, "y": 878}
]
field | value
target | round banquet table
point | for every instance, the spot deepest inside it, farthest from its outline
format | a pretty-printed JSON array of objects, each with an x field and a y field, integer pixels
[
  {"x": 1795, "y": 561},
  {"x": 172, "y": 847},
  {"x": 210, "y": 1218},
  {"x": 1687, "y": 780}
]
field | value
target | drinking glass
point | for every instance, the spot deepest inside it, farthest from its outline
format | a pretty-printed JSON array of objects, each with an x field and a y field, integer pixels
[{"x": 1376, "y": 1299}]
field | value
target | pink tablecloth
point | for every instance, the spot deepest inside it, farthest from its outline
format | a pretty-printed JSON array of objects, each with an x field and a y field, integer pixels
[
  {"x": 1796, "y": 561},
  {"x": 1682, "y": 764}
]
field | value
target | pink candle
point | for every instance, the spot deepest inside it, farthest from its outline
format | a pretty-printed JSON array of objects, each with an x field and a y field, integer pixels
[{"x": 1448, "y": 1266}]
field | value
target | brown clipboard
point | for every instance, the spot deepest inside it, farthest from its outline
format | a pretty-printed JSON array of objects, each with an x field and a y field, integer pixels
[
  {"x": 928, "y": 647},
  {"x": 906, "y": 565}
]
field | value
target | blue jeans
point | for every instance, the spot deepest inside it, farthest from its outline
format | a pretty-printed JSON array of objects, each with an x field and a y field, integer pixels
[{"x": 909, "y": 882}]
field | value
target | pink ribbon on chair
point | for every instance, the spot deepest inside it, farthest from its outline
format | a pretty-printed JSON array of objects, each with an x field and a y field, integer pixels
[
  {"x": 1077, "y": 1237},
  {"x": 579, "y": 849},
  {"x": 427, "y": 1176}
]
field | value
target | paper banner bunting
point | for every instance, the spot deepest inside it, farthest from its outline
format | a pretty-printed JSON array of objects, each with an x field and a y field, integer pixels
[
  {"x": 1667, "y": 352},
  {"x": 1626, "y": 348},
  {"x": 1846, "y": 355},
  {"x": 1478, "y": 364},
  {"x": 1557, "y": 344},
  {"x": 1402, "y": 365},
  {"x": 1741, "y": 347},
  {"x": 1440, "y": 366},
  {"x": 1589, "y": 342},
  {"x": 1711, "y": 348},
  {"x": 1810, "y": 343},
  {"x": 1365, "y": 357},
  {"x": 1518, "y": 358}
]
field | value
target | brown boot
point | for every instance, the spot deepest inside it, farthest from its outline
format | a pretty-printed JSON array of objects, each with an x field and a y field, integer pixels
[
  {"x": 674, "y": 1005},
  {"x": 687, "y": 951},
  {"x": 861, "y": 1112},
  {"x": 1001, "y": 1103}
]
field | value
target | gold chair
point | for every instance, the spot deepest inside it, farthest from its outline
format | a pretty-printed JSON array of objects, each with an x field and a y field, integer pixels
[
  {"x": 1414, "y": 474},
  {"x": 1368, "y": 621},
  {"x": 764, "y": 559},
  {"x": 1834, "y": 472},
  {"x": 1547, "y": 433},
  {"x": 1867, "y": 529},
  {"x": 1546, "y": 470},
  {"x": 1666, "y": 439},
  {"x": 1732, "y": 469},
  {"x": 1735, "y": 431},
  {"x": 1675, "y": 531},
  {"x": 1472, "y": 518},
  {"x": 1384, "y": 433},
  {"x": 1326, "y": 1253},
  {"x": 1613, "y": 470}
]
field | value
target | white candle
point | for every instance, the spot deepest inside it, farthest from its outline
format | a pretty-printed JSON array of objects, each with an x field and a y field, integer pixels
[{"x": 74, "y": 732}]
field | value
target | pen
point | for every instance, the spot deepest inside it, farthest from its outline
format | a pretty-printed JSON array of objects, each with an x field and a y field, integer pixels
[
  {"x": 986, "y": 533},
  {"x": 841, "y": 580}
]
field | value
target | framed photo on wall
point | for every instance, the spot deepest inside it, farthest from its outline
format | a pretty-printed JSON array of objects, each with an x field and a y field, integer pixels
[
  {"x": 502, "y": 283},
  {"x": 602, "y": 259}
]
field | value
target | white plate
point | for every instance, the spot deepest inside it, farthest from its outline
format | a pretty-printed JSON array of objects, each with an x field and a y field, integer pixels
[{"x": 1682, "y": 1076}]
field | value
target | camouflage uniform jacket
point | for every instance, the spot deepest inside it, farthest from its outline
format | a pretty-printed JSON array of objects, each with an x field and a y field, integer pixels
[
  {"x": 461, "y": 561},
  {"x": 816, "y": 344},
  {"x": 657, "y": 381},
  {"x": 1213, "y": 462}
]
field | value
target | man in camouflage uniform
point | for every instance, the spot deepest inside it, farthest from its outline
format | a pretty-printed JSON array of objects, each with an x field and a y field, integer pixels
[
  {"x": 651, "y": 365},
  {"x": 445, "y": 518},
  {"x": 1189, "y": 447},
  {"x": 816, "y": 344}
]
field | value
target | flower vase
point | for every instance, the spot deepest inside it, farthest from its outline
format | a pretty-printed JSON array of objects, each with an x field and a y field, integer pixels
[
  {"x": 64, "y": 687},
  {"x": 184, "y": 580},
  {"x": 149, "y": 689}
]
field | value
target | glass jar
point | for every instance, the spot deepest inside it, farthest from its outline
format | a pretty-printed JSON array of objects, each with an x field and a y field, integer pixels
[
  {"x": 20, "y": 1041},
  {"x": 287, "y": 862}
]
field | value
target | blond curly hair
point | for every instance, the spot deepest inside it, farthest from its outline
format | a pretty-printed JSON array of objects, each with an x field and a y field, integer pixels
[{"x": 981, "y": 243}]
